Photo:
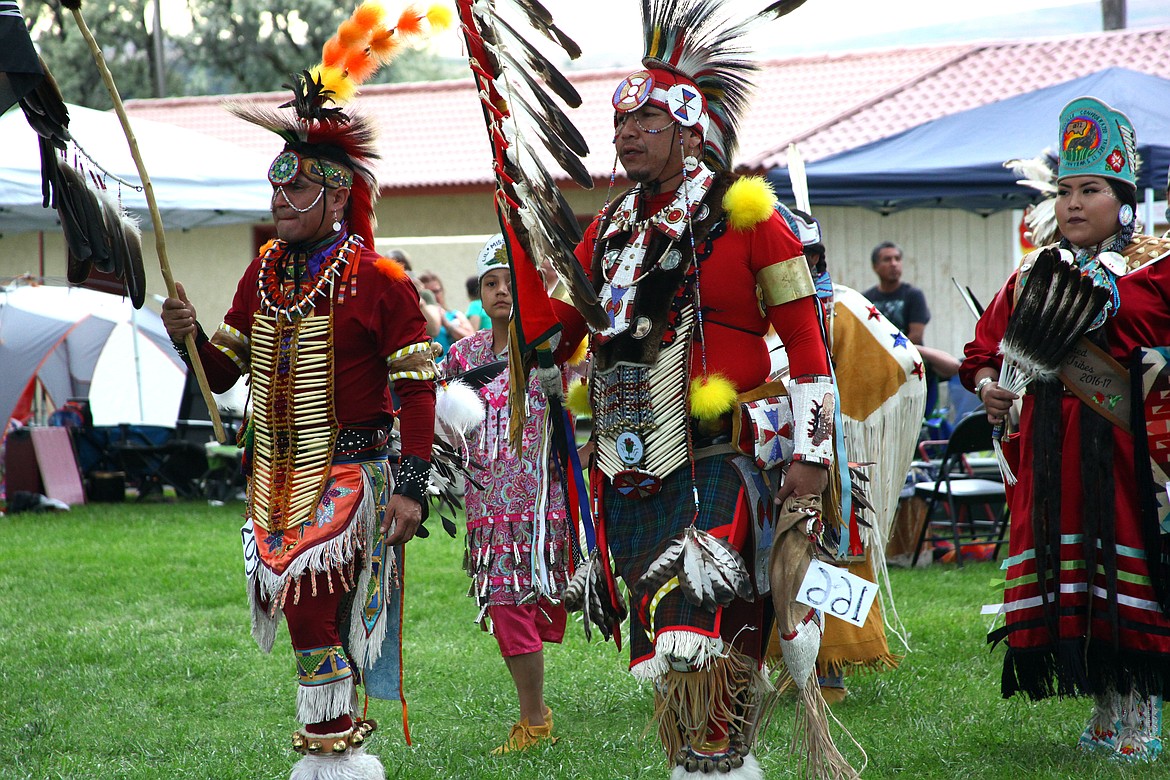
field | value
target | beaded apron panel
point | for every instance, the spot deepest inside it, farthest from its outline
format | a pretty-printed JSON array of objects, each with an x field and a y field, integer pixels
[
  {"x": 640, "y": 412},
  {"x": 293, "y": 417}
]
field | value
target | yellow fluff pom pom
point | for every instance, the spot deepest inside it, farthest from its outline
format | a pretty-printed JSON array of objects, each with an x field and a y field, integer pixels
[
  {"x": 748, "y": 202},
  {"x": 440, "y": 16},
  {"x": 577, "y": 399},
  {"x": 711, "y": 397}
]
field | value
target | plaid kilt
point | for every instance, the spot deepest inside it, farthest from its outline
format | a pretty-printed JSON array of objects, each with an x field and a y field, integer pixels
[{"x": 638, "y": 530}]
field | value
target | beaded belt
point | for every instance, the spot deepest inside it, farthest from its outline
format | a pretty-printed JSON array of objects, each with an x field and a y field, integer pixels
[{"x": 354, "y": 444}]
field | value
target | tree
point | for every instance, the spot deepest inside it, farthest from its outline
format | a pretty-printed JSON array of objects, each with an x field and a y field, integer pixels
[
  {"x": 233, "y": 46},
  {"x": 120, "y": 29}
]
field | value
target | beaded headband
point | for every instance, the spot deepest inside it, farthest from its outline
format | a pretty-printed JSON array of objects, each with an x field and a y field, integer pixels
[{"x": 288, "y": 164}]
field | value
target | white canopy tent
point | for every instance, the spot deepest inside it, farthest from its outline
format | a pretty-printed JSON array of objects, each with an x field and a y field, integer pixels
[
  {"x": 197, "y": 179},
  {"x": 85, "y": 344}
]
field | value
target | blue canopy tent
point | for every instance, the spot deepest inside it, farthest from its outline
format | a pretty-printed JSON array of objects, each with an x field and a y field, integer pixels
[{"x": 956, "y": 161}]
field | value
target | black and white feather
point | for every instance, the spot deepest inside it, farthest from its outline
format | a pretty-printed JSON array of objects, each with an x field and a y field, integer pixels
[
  {"x": 519, "y": 88},
  {"x": 590, "y": 592},
  {"x": 710, "y": 572}
]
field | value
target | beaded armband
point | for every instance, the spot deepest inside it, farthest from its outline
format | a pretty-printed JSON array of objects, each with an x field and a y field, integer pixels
[
  {"x": 414, "y": 475},
  {"x": 416, "y": 361},
  {"x": 813, "y": 408},
  {"x": 785, "y": 281}
]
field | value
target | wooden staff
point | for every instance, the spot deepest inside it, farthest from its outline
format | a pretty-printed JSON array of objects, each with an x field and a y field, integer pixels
[{"x": 155, "y": 217}]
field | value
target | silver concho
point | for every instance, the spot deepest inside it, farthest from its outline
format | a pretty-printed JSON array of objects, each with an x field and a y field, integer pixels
[
  {"x": 641, "y": 327},
  {"x": 671, "y": 259},
  {"x": 611, "y": 256},
  {"x": 630, "y": 448},
  {"x": 702, "y": 213}
]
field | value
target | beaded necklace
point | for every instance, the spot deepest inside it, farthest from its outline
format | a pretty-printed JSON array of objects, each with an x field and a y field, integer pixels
[
  {"x": 1103, "y": 263},
  {"x": 275, "y": 298}
]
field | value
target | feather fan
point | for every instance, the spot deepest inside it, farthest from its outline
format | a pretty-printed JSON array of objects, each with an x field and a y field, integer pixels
[{"x": 1056, "y": 307}]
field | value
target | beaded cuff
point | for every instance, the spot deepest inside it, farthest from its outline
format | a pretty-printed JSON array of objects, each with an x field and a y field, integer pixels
[
  {"x": 813, "y": 406},
  {"x": 181, "y": 346},
  {"x": 414, "y": 475}
]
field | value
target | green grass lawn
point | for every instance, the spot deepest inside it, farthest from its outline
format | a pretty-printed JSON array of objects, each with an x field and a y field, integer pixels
[{"x": 124, "y": 630}]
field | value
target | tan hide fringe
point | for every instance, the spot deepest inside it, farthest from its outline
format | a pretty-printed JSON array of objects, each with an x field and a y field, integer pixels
[
  {"x": 812, "y": 743},
  {"x": 848, "y": 649},
  {"x": 731, "y": 690}
]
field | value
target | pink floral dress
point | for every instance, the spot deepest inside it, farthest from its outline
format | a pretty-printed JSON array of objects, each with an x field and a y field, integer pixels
[{"x": 515, "y": 552}]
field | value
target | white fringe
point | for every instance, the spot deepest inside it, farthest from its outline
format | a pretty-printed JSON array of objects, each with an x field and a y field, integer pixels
[
  {"x": 264, "y": 624},
  {"x": 887, "y": 439},
  {"x": 366, "y": 649},
  {"x": 541, "y": 577},
  {"x": 353, "y": 764},
  {"x": 695, "y": 650},
  {"x": 317, "y": 703},
  {"x": 327, "y": 556}
]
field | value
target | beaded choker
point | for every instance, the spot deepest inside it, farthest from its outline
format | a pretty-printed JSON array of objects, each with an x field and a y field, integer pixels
[{"x": 274, "y": 296}]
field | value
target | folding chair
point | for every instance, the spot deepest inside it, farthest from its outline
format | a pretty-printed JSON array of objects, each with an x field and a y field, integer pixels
[{"x": 956, "y": 488}]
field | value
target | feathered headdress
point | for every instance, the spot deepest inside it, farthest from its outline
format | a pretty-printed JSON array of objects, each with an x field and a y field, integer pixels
[
  {"x": 697, "y": 69},
  {"x": 331, "y": 147}
]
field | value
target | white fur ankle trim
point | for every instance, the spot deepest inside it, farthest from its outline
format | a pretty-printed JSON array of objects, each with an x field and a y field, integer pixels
[{"x": 354, "y": 764}]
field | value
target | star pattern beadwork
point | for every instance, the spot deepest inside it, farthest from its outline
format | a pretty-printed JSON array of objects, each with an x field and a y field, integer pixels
[{"x": 900, "y": 339}]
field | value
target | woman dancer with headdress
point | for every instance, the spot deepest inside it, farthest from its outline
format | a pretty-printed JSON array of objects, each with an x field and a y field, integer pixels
[{"x": 1087, "y": 603}]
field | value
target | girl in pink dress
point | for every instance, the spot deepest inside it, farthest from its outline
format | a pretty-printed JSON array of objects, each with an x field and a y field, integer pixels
[{"x": 518, "y": 540}]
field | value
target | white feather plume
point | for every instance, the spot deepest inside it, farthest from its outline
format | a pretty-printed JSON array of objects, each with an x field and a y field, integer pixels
[{"x": 458, "y": 407}]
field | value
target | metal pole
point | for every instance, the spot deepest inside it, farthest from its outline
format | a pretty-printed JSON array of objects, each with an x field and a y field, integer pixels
[
  {"x": 160, "y": 77},
  {"x": 1113, "y": 14}
]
